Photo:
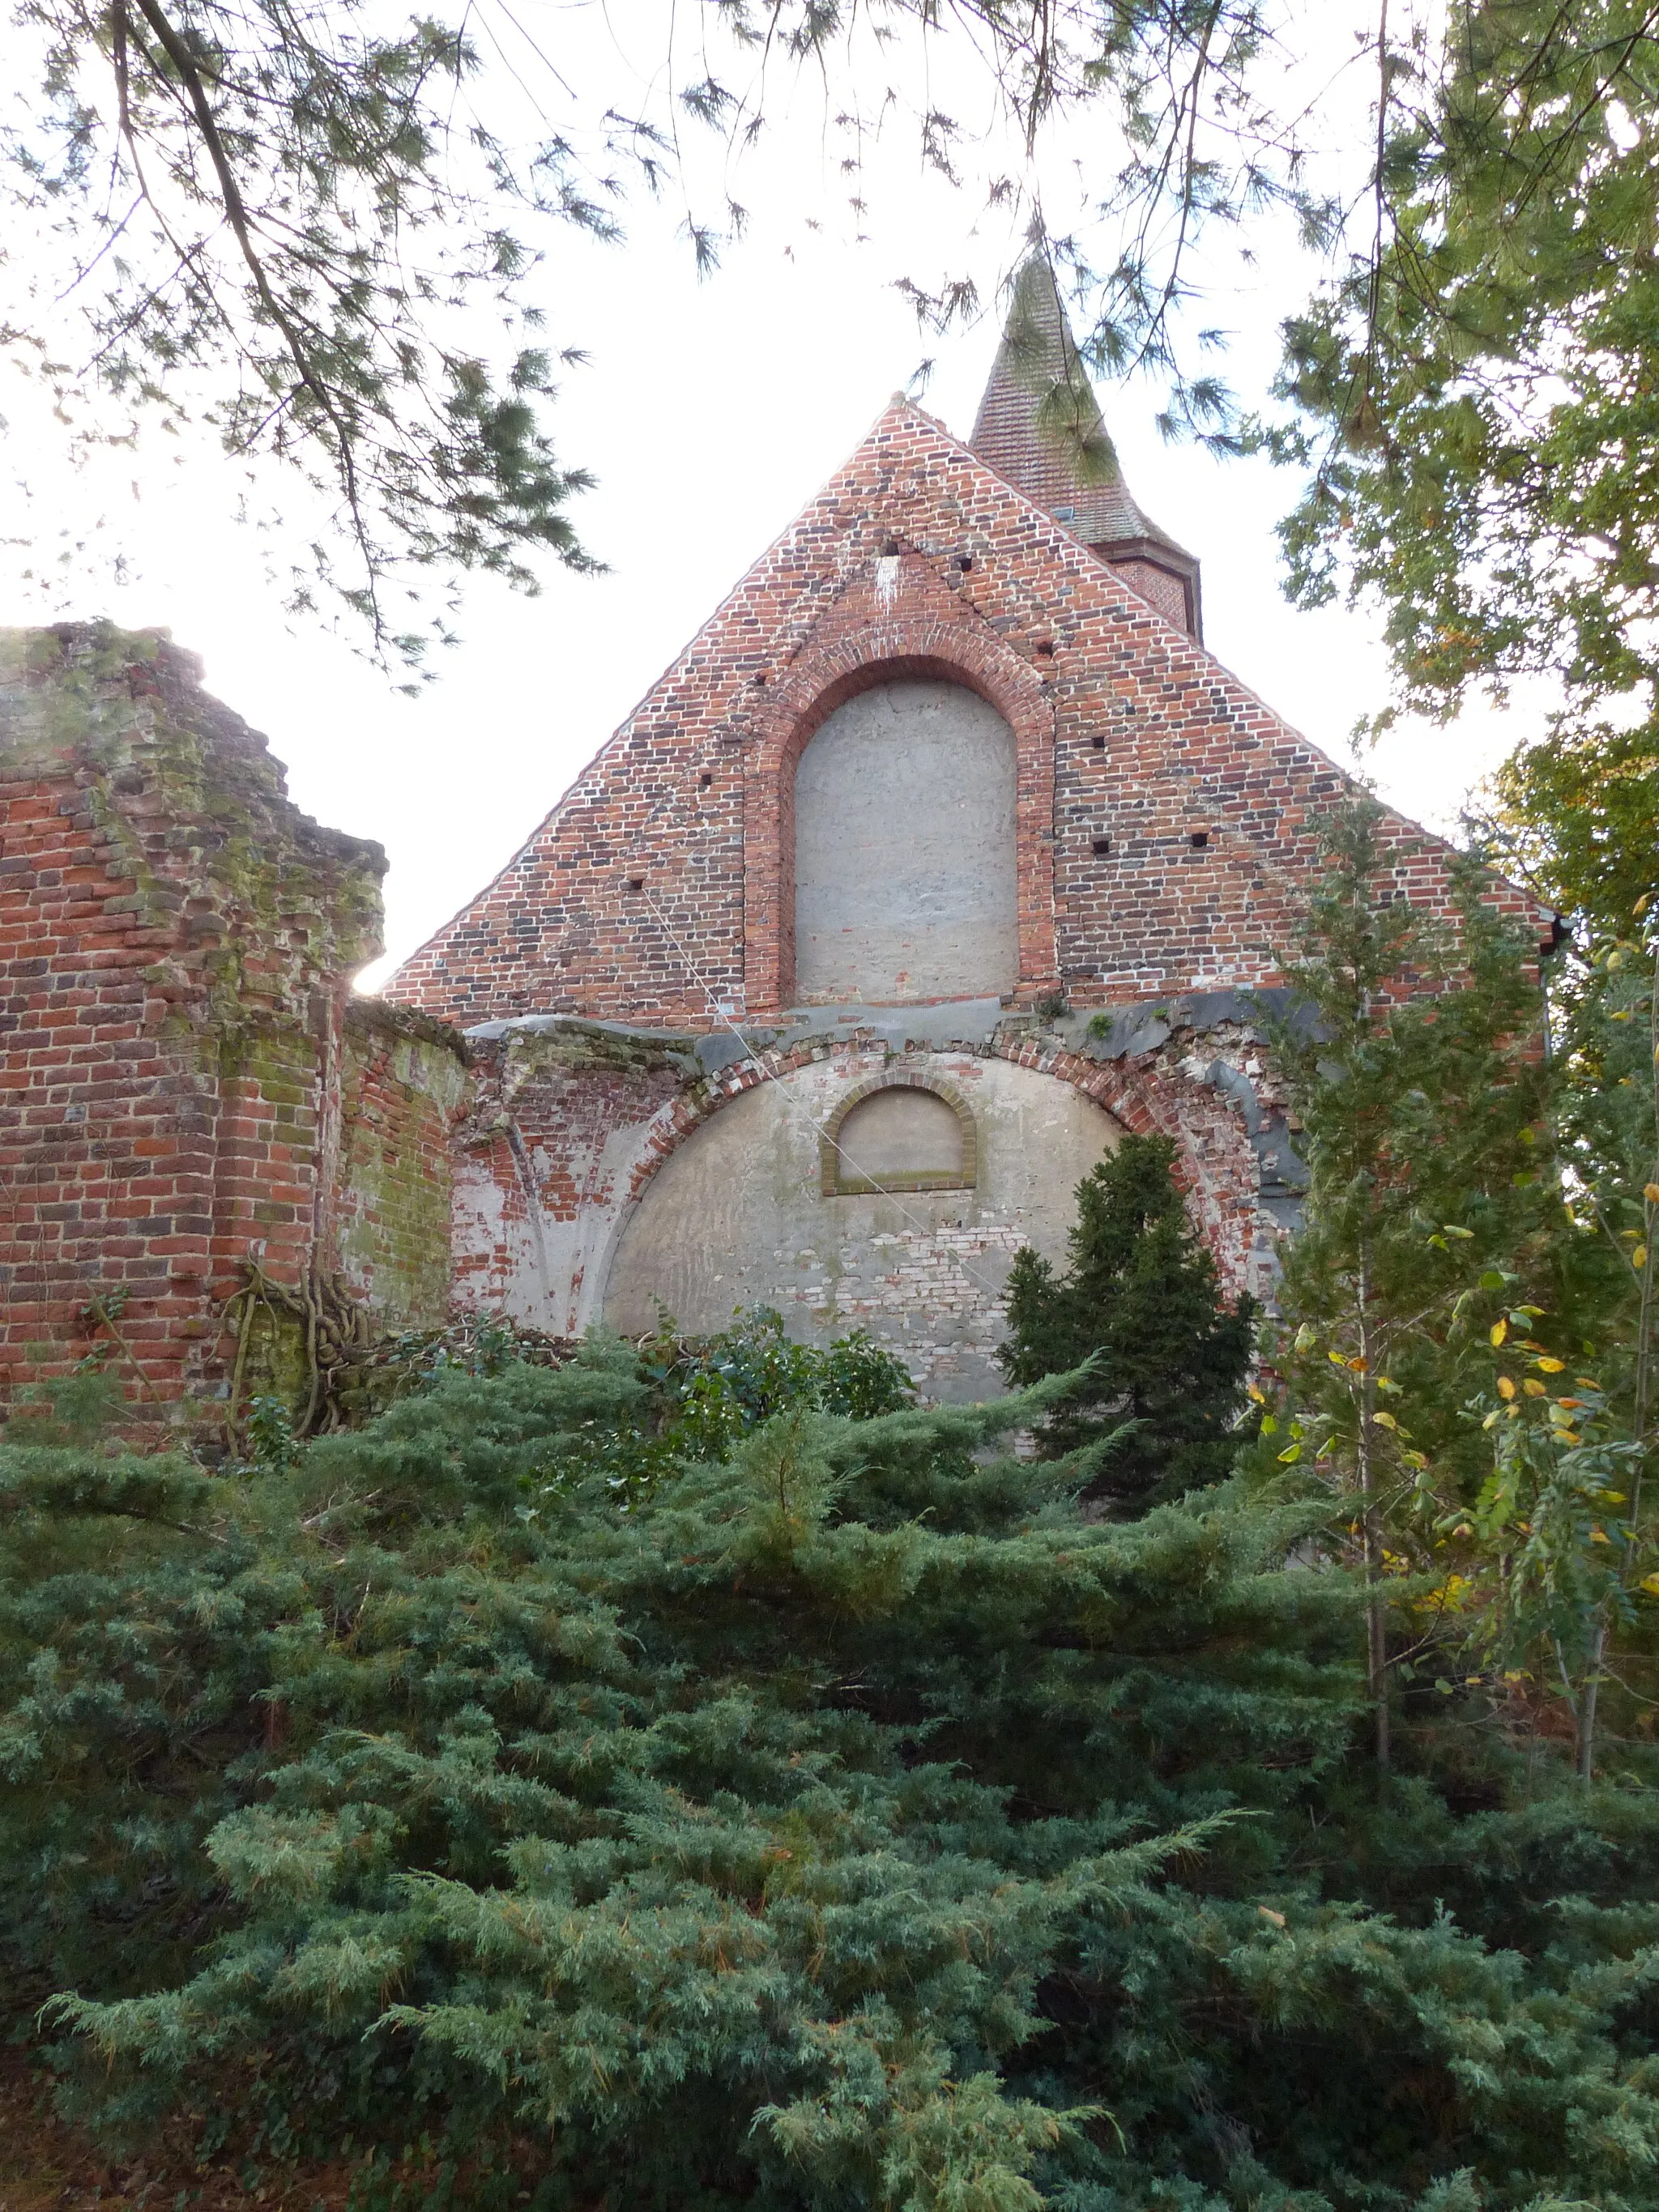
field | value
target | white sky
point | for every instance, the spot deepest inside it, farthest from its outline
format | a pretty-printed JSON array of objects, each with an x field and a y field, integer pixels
[{"x": 709, "y": 412}]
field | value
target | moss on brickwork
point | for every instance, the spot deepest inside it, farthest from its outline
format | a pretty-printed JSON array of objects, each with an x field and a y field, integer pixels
[
  {"x": 394, "y": 1239},
  {"x": 55, "y": 703},
  {"x": 584, "y": 1048},
  {"x": 186, "y": 908},
  {"x": 192, "y": 803},
  {"x": 275, "y": 1365},
  {"x": 404, "y": 1082}
]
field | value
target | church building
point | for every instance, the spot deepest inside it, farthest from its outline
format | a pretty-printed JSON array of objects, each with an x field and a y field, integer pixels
[
  {"x": 941, "y": 856},
  {"x": 946, "y": 776}
]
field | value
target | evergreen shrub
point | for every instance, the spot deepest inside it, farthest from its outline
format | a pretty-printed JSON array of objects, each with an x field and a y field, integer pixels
[
  {"x": 1139, "y": 1311},
  {"x": 827, "y": 1815}
]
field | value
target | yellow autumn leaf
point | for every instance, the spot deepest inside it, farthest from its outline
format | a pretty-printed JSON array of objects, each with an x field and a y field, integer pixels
[
  {"x": 1599, "y": 1536},
  {"x": 1533, "y": 1387},
  {"x": 1638, "y": 1258},
  {"x": 1505, "y": 1388},
  {"x": 1552, "y": 1366},
  {"x": 1290, "y": 1458},
  {"x": 1650, "y": 1192},
  {"x": 1385, "y": 1420},
  {"x": 1255, "y": 1396},
  {"x": 1500, "y": 1329},
  {"x": 1650, "y": 1584}
]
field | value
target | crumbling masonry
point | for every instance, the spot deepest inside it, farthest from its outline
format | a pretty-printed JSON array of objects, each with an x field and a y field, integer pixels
[{"x": 792, "y": 999}]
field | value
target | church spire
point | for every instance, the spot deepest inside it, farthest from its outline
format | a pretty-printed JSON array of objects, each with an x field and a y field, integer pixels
[{"x": 1039, "y": 426}]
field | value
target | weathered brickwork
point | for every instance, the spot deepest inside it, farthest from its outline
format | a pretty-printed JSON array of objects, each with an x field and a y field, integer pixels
[
  {"x": 573, "y": 1123},
  {"x": 1164, "y": 839},
  {"x": 660, "y": 886},
  {"x": 565, "y": 1127},
  {"x": 404, "y": 1083},
  {"x": 187, "y": 1084},
  {"x": 182, "y": 1074}
]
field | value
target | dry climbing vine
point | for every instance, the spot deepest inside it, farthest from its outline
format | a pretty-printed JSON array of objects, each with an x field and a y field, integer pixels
[{"x": 335, "y": 1333}]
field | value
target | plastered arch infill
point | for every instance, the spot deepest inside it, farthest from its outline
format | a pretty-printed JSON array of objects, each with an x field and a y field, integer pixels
[
  {"x": 1222, "y": 1190},
  {"x": 878, "y": 640},
  {"x": 837, "y": 1180}
]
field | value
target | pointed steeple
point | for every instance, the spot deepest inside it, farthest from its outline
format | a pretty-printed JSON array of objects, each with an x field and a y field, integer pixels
[{"x": 1039, "y": 426}]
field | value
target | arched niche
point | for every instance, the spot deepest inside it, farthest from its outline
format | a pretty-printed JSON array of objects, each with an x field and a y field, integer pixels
[
  {"x": 897, "y": 1133},
  {"x": 905, "y": 874}
]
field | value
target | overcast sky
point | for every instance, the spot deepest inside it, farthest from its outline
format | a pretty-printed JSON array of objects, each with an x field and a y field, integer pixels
[{"x": 709, "y": 412}]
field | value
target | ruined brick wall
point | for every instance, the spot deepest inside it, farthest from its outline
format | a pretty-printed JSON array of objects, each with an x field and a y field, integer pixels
[
  {"x": 574, "y": 1122},
  {"x": 568, "y": 1121},
  {"x": 176, "y": 941},
  {"x": 662, "y": 882},
  {"x": 405, "y": 1084}
]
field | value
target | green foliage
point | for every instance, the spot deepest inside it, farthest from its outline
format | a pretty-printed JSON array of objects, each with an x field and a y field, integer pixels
[
  {"x": 311, "y": 254},
  {"x": 839, "y": 1820},
  {"x": 1466, "y": 1345},
  {"x": 271, "y": 1439},
  {"x": 1140, "y": 1304},
  {"x": 1479, "y": 396},
  {"x": 725, "y": 1385},
  {"x": 319, "y": 231}
]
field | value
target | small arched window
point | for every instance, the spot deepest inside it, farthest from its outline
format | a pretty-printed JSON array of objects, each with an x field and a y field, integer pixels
[{"x": 895, "y": 1134}]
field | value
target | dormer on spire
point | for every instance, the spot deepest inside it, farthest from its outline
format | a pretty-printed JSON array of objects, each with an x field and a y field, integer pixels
[{"x": 1039, "y": 426}]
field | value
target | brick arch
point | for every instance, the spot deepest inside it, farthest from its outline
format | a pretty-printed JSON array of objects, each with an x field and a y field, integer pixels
[
  {"x": 872, "y": 647},
  {"x": 1221, "y": 1182}
]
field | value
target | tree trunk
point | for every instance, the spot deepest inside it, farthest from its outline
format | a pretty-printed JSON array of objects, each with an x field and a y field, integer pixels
[
  {"x": 1585, "y": 1716},
  {"x": 1371, "y": 1528}
]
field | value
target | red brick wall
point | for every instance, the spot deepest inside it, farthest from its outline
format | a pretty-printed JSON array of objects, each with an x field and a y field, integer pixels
[
  {"x": 404, "y": 1083},
  {"x": 175, "y": 942},
  {"x": 663, "y": 878}
]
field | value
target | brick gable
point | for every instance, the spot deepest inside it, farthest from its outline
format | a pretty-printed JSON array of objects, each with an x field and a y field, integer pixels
[{"x": 660, "y": 886}]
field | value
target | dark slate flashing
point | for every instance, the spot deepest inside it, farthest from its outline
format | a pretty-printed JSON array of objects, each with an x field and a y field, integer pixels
[
  {"x": 1220, "y": 1075},
  {"x": 1129, "y": 1032},
  {"x": 963, "y": 1024},
  {"x": 720, "y": 1049},
  {"x": 970, "y": 1024},
  {"x": 579, "y": 1025}
]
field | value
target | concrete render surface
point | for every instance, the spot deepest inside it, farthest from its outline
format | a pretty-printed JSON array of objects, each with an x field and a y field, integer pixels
[
  {"x": 904, "y": 848},
  {"x": 736, "y": 1218}
]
